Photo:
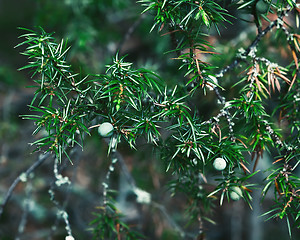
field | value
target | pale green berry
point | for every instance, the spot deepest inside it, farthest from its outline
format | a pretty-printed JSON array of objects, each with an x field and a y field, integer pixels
[
  {"x": 262, "y": 6},
  {"x": 106, "y": 129},
  {"x": 235, "y": 193},
  {"x": 219, "y": 164}
]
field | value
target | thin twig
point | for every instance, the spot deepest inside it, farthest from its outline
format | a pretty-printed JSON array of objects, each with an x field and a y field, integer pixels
[
  {"x": 118, "y": 158},
  {"x": 130, "y": 32},
  {"x": 251, "y": 46},
  {"x": 76, "y": 154},
  {"x": 27, "y": 207},
  {"x": 114, "y": 160},
  {"x": 123, "y": 166},
  {"x": 237, "y": 60},
  {"x": 34, "y": 166},
  {"x": 176, "y": 227}
]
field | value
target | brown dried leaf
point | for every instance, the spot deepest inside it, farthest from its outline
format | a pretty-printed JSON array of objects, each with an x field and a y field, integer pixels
[
  {"x": 248, "y": 94},
  {"x": 293, "y": 81},
  {"x": 277, "y": 187},
  {"x": 278, "y": 160},
  {"x": 250, "y": 71},
  {"x": 259, "y": 154},
  {"x": 269, "y": 82},
  {"x": 263, "y": 86},
  {"x": 272, "y": 82},
  {"x": 161, "y": 27},
  {"x": 246, "y": 189},
  {"x": 170, "y": 32},
  {"x": 258, "y": 83},
  {"x": 277, "y": 84},
  {"x": 283, "y": 77},
  {"x": 244, "y": 167},
  {"x": 257, "y": 68},
  {"x": 256, "y": 161},
  {"x": 295, "y": 58},
  {"x": 198, "y": 68}
]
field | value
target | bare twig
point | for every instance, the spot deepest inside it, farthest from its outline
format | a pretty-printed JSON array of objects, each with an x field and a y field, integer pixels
[
  {"x": 123, "y": 166},
  {"x": 251, "y": 49},
  {"x": 27, "y": 205},
  {"x": 176, "y": 227},
  {"x": 25, "y": 174},
  {"x": 62, "y": 207},
  {"x": 130, "y": 32},
  {"x": 261, "y": 34},
  {"x": 114, "y": 160}
]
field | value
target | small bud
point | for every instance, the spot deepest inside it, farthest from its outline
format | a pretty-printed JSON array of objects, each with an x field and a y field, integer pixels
[
  {"x": 219, "y": 164},
  {"x": 69, "y": 238},
  {"x": 143, "y": 197},
  {"x": 23, "y": 177},
  {"x": 106, "y": 129}
]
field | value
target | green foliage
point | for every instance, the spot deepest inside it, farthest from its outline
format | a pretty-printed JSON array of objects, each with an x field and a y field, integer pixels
[
  {"x": 184, "y": 13},
  {"x": 124, "y": 97},
  {"x": 109, "y": 225},
  {"x": 258, "y": 114},
  {"x": 184, "y": 21},
  {"x": 61, "y": 99}
]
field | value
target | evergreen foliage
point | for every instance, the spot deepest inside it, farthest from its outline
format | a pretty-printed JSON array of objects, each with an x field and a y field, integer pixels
[{"x": 255, "y": 101}]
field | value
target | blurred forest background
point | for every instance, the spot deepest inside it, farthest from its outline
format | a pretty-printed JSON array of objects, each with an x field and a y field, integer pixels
[{"x": 96, "y": 30}]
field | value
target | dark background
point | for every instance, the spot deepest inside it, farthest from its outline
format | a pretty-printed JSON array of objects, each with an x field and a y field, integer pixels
[{"x": 96, "y": 30}]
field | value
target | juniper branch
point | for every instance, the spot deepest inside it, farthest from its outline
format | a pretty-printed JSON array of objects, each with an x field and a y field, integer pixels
[{"x": 250, "y": 48}]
